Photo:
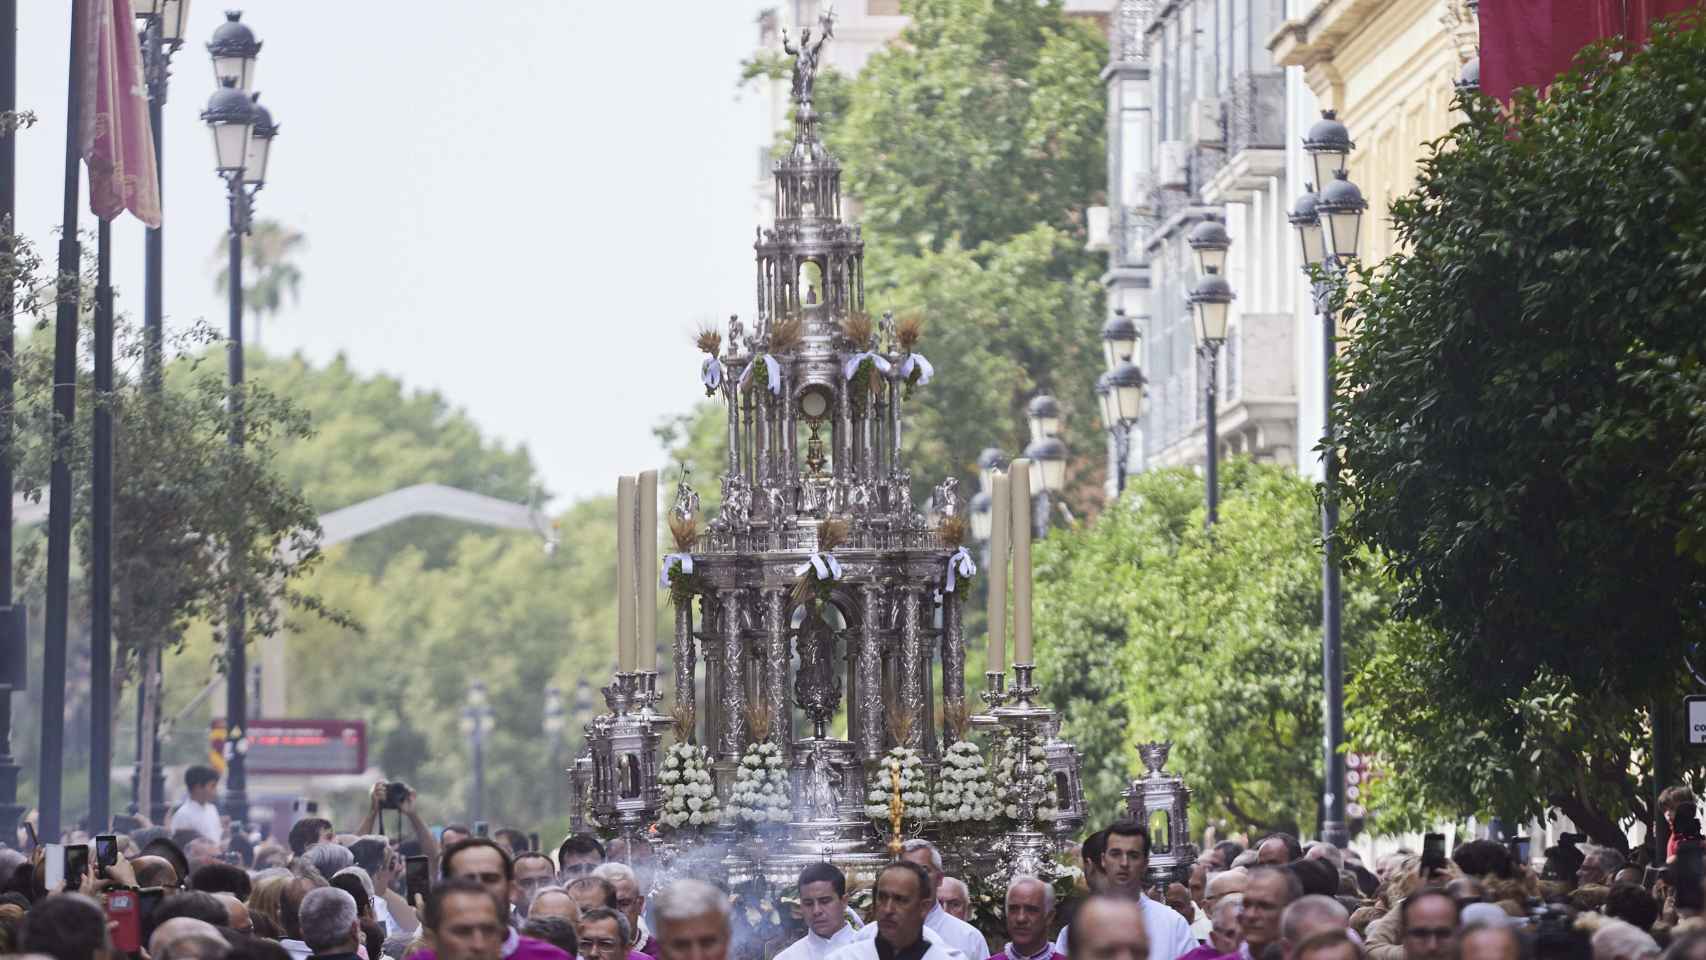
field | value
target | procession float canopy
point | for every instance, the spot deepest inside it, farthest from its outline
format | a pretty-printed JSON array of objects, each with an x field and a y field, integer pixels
[{"x": 813, "y": 611}]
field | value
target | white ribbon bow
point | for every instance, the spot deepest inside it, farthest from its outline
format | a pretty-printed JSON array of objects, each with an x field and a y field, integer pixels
[
  {"x": 960, "y": 564},
  {"x": 675, "y": 561},
  {"x": 827, "y": 567},
  {"x": 771, "y": 368},
  {"x": 852, "y": 365},
  {"x": 711, "y": 373},
  {"x": 916, "y": 360}
]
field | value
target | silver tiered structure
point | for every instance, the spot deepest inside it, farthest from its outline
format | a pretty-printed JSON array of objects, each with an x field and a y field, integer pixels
[{"x": 808, "y": 443}]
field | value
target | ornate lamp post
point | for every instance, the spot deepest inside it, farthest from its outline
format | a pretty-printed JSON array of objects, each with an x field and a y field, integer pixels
[
  {"x": 242, "y": 143},
  {"x": 162, "y": 34},
  {"x": 1328, "y": 225},
  {"x": 476, "y": 723},
  {"x": 1047, "y": 454},
  {"x": 1211, "y": 302},
  {"x": 1119, "y": 352}
]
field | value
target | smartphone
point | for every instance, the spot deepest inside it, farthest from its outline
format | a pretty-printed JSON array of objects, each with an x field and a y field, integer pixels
[
  {"x": 124, "y": 920},
  {"x": 481, "y": 828},
  {"x": 417, "y": 881},
  {"x": 147, "y": 899},
  {"x": 76, "y": 865},
  {"x": 106, "y": 851},
  {"x": 1433, "y": 852},
  {"x": 52, "y": 864},
  {"x": 30, "y": 831}
]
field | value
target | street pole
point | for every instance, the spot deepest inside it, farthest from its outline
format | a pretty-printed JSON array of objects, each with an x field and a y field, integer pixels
[
  {"x": 13, "y": 637},
  {"x": 479, "y": 774},
  {"x": 1211, "y": 468},
  {"x": 1333, "y": 830},
  {"x": 236, "y": 653},
  {"x": 101, "y": 543},
  {"x": 65, "y": 325}
]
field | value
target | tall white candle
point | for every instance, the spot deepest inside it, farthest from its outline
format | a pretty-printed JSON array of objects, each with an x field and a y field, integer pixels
[
  {"x": 998, "y": 510},
  {"x": 1019, "y": 483},
  {"x": 646, "y": 572},
  {"x": 625, "y": 574}
]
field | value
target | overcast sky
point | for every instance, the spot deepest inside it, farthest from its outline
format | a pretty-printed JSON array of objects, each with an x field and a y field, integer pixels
[{"x": 525, "y": 204}]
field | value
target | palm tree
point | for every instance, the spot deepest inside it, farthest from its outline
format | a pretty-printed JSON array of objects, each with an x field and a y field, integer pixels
[{"x": 268, "y": 268}]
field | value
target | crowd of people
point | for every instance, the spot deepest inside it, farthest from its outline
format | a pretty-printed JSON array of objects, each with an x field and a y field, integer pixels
[{"x": 196, "y": 890}]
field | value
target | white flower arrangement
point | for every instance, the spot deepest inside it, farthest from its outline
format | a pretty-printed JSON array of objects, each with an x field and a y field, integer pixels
[
  {"x": 689, "y": 797},
  {"x": 914, "y": 787},
  {"x": 1005, "y": 787},
  {"x": 964, "y": 792},
  {"x": 760, "y": 793}
]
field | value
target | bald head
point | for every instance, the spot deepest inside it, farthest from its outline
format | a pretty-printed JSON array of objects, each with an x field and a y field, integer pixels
[
  {"x": 152, "y": 871},
  {"x": 1308, "y": 916},
  {"x": 179, "y": 928},
  {"x": 236, "y": 911},
  {"x": 1109, "y": 928}
]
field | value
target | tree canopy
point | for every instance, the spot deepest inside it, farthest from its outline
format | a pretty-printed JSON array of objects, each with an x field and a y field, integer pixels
[
  {"x": 1208, "y": 639},
  {"x": 1519, "y": 403}
]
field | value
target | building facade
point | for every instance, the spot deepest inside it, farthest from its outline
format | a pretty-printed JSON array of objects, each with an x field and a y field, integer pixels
[{"x": 1197, "y": 130}]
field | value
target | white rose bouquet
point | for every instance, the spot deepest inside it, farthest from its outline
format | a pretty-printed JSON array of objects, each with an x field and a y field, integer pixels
[
  {"x": 689, "y": 798},
  {"x": 964, "y": 792},
  {"x": 1006, "y": 786},
  {"x": 914, "y": 787},
  {"x": 760, "y": 792}
]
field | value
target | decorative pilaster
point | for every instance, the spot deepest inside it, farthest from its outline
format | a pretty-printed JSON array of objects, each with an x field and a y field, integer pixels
[
  {"x": 732, "y": 738},
  {"x": 710, "y": 634},
  {"x": 911, "y": 658},
  {"x": 953, "y": 653},
  {"x": 775, "y": 668},
  {"x": 685, "y": 655},
  {"x": 869, "y": 668}
]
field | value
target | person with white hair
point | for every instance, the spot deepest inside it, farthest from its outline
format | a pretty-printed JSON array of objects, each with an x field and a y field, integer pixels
[
  {"x": 1030, "y": 911},
  {"x": 631, "y": 900},
  {"x": 951, "y": 930},
  {"x": 693, "y": 921},
  {"x": 1617, "y": 940},
  {"x": 178, "y": 928},
  {"x": 329, "y": 858},
  {"x": 329, "y": 924},
  {"x": 1225, "y": 934},
  {"x": 954, "y": 898}
]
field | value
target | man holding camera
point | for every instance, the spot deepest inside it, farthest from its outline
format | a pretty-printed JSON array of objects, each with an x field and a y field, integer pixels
[{"x": 396, "y": 795}]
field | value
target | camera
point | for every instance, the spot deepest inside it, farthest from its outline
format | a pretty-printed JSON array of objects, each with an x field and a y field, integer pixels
[{"x": 396, "y": 791}]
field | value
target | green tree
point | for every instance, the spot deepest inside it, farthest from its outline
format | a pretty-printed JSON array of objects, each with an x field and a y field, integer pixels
[
  {"x": 1208, "y": 639},
  {"x": 270, "y": 268},
  {"x": 1519, "y": 402}
]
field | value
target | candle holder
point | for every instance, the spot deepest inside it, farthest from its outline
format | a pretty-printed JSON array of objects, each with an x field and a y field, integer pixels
[
  {"x": 1020, "y": 699},
  {"x": 648, "y": 698},
  {"x": 1025, "y": 849},
  {"x": 994, "y": 695}
]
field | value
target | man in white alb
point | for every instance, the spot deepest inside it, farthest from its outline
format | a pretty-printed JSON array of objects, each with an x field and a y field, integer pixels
[
  {"x": 904, "y": 896},
  {"x": 823, "y": 902},
  {"x": 951, "y": 930},
  {"x": 200, "y": 811},
  {"x": 1125, "y": 859}
]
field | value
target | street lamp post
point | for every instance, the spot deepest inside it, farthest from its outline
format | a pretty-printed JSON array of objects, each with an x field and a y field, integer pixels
[
  {"x": 1328, "y": 225},
  {"x": 162, "y": 34},
  {"x": 553, "y": 727},
  {"x": 476, "y": 723},
  {"x": 242, "y": 141},
  {"x": 1211, "y": 302},
  {"x": 989, "y": 462},
  {"x": 1119, "y": 352},
  {"x": 1047, "y": 454}
]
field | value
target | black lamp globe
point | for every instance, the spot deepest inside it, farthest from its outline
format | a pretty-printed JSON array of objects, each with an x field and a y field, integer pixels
[
  {"x": 1328, "y": 144},
  {"x": 981, "y": 516},
  {"x": 230, "y": 115},
  {"x": 233, "y": 49},
  {"x": 1210, "y": 241},
  {"x": 1119, "y": 339},
  {"x": 1044, "y": 416},
  {"x": 1125, "y": 392},
  {"x": 1307, "y": 222},
  {"x": 1211, "y": 301},
  {"x": 1340, "y": 207},
  {"x": 989, "y": 461},
  {"x": 1048, "y": 464},
  {"x": 260, "y": 145}
]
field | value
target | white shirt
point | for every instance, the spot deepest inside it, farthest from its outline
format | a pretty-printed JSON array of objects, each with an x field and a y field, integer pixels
[
  {"x": 296, "y": 948},
  {"x": 203, "y": 818},
  {"x": 813, "y": 947},
  {"x": 865, "y": 947},
  {"x": 1201, "y": 925},
  {"x": 1169, "y": 935},
  {"x": 958, "y": 934}
]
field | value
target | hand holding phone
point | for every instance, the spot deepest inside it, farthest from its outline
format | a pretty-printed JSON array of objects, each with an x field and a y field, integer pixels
[
  {"x": 124, "y": 920},
  {"x": 417, "y": 879},
  {"x": 53, "y": 867},
  {"x": 76, "y": 865}
]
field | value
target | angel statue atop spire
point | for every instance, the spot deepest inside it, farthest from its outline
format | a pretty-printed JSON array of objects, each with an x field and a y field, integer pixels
[{"x": 805, "y": 56}]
